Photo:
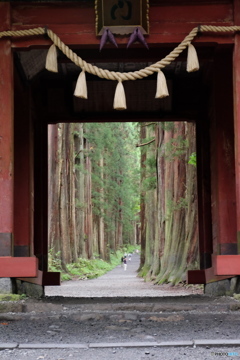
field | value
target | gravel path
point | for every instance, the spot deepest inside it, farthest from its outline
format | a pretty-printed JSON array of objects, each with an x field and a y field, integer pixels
[
  {"x": 121, "y": 332},
  {"x": 118, "y": 282},
  {"x": 181, "y": 353}
]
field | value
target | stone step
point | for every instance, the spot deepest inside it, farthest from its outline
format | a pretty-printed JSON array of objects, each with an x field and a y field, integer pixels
[{"x": 112, "y": 306}]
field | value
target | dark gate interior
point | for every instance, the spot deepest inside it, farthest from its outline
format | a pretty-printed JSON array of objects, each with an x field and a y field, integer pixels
[{"x": 43, "y": 98}]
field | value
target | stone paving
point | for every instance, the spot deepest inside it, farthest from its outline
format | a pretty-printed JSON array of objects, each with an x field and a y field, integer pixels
[
  {"x": 120, "y": 316},
  {"x": 130, "y": 344}
]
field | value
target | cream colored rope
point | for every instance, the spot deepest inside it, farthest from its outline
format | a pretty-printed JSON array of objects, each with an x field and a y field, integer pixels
[
  {"x": 112, "y": 75},
  {"x": 209, "y": 28},
  {"x": 29, "y": 32}
]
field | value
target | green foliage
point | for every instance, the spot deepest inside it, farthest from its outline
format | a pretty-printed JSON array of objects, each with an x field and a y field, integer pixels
[
  {"x": 79, "y": 205},
  {"x": 182, "y": 203},
  {"x": 85, "y": 269},
  {"x": 151, "y": 162},
  {"x": 90, "y": 269},
  {"x": 174, "y": 148},
  {"x": 12, "y": 297},
  {"x": 65, "y": 277},
  {"x": 167, "y": 126},
  {"x": 128, "y": 248},
  {"x": 144, "y": 271},
  {"x": 107, "y": 179},
  {"x": 115, "y": 185},
  {"x": 54, "y": 261},
  {"x": 236, "y": 296},
  {"x": 149, "y": 183},
  {"x": 93, "y": 268},
  {"x": 193, "y": 159}
]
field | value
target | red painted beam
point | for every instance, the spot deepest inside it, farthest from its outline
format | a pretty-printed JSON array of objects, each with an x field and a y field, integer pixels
[
  {"x": 72, "y": 13},
  {"x": 78, "y": 35},
  {"x": 226, "y": 264},
  {"x": 75, "y": 23},
  {"x": 5, "y": 16},
  {"x": 18, "y": 266}
]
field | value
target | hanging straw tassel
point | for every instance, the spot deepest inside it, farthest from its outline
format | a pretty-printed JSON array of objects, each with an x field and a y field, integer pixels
[
  {"x": 51, "y": 60},
  {"x": 192, "y": 59},
  {"x": 119, "y": 102},
  {"x": 162, "y": 90},
  {"x": 81, "y": 86}
]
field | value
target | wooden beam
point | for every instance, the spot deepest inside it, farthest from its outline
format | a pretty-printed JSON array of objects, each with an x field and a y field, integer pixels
[
  {"x": 18, "y": 266},
  {"x": 193, "y": 12},
  {"x": 75, "y": 23},
  {"x": 44, "y": 278},
  {"x": 226, "y": 265},
  {"x": 74, "y": 36},
  {"x": 196, "y": 277},
  {"x": 5, "y": 16},
  {"x": 205, "y": 276}
]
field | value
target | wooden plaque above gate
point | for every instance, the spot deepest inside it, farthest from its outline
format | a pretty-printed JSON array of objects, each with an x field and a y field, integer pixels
[{"x": 122, "y": 16}]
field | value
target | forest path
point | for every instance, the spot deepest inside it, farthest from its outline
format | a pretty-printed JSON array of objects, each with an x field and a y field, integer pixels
[{"x": 118, "y": 283}]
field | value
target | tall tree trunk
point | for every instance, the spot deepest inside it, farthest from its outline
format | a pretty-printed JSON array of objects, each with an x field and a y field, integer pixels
[
  {"x": 171, "y": 238},
  {"x": 88, "y": 201},
  {"x": 80, "y": 191},
  {"x": 88, "y": 210},
  {"x": 63, "y": 198},
  {"x": 71, "y": 190},
  {"x": 53, "y": 189},
  {"x": 142, "y": 199},
  {"x": 102, "y": 251}
]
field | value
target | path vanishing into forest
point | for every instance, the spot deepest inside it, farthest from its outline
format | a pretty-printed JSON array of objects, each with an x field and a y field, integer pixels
[{"x": 118, "y": 283}]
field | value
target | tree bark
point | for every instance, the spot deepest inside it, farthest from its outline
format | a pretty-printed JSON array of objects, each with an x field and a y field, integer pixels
[
  {"x": 171, "y": 219},
  {"x": 142, "y": 200},
  {"x": 80, "y": 191}
]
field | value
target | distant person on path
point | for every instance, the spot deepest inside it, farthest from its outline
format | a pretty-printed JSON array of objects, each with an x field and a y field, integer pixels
[
  {"x": 129, "y": 257},
  {"x": 125, "y": 263},
  {"x": 122, "y": 261}
]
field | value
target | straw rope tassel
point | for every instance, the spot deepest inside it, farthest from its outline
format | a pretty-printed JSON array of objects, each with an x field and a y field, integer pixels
[
  {"x": 162, "y": 90},
  {"x": 119, "y": 102},
  {"x": 192, "y": 59},
  {"x": 51, "y": 60},
  {"x": 81, "y": 86}
]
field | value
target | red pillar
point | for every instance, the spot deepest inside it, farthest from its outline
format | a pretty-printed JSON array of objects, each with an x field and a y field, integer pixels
[
  {"x": 9, "y": 266},
  {"x": 204, "y": 189},
  {"x": 23, "y": 168},
  {"x": 222, "y": 158},
  {"x": 6, "y": 136},
  {"x": 236, "y": 86},
  {"x": 228, "y": 259}
]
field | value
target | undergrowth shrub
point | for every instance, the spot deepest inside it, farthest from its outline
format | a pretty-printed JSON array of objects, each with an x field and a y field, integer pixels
[{"x": 87, "y": 268}]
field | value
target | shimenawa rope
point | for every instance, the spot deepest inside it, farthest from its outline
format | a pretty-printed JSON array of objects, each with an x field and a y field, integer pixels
[
  {"x": 112, "y": 75},
  {"x": 119, "y": 99}
]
